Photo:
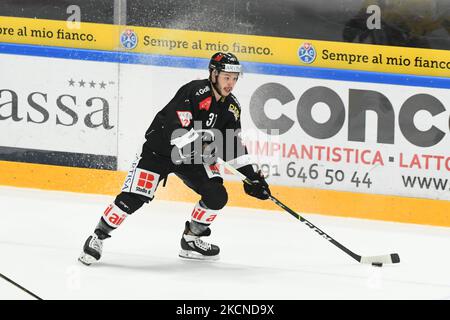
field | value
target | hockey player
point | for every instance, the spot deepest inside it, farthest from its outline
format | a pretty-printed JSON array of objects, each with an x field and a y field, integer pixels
[{"x": 199, "y": 111}]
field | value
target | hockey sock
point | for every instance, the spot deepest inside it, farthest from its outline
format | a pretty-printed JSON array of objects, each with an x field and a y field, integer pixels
[
  {"x": 201, "y": 218},
  {"x": 197, "y": 228},
  {"x": 103, "y": 230},
  {"x": 111, "y": 219}
]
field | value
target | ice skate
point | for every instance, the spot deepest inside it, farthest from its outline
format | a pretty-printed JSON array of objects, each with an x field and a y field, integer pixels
[
  {"x": 192, "y": 247},
  {"x": 92, "y": 250}
]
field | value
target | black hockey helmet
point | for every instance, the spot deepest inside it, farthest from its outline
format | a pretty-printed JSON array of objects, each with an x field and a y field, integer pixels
[{"x": 226, "y": 62}]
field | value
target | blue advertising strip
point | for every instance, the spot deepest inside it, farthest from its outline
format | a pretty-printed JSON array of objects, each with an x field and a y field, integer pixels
[
  {"x": 201, "y": 63},
  {"x": 58, "y": 158}
]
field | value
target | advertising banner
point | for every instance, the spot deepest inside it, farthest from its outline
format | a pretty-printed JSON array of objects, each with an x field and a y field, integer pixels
[
  {"x": 55, "y": 108},
  {"x": 262, "y": 49},
  {"x": 350, "y": 136}
]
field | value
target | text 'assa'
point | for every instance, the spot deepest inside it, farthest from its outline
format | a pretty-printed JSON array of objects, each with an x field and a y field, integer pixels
[{"x": 65, "y": 108}]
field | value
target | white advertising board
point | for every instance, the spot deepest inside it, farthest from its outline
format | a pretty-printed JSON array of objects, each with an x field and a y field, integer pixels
[
  {"x": 58, "y": 105},
  {"x": 348, "y": 136}
]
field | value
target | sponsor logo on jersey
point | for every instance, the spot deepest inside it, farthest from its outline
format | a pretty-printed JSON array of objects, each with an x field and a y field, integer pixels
[
  {"x": 214, "y": 169},
  {"x": 129, "y": 39},
  {"x": 114, "y": 218},
  {"x": 141, "y": 181},
  {"x": 129, "y": 179},
  {"x": 235, "y": 111},
  {"x": 307, "y": 53},
  {"x": 199, "y": 213},
  {"x": 185, "y": 118},
  {"x": 205, "y": 104},
  {"x": 202, "y": 91}
]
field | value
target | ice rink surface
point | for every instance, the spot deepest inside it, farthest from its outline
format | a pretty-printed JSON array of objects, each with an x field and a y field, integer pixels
[{"x": 264, "y": 254}]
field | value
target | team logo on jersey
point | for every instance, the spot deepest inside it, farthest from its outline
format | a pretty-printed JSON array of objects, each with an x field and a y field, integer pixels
[
  {"x": 205, "y": 104},
  {"x": 129, "y": 39},
  {"x": 307, "y": 53},
  {"x": 185, "y": 118},
  {"x": 235, "y": 111}
]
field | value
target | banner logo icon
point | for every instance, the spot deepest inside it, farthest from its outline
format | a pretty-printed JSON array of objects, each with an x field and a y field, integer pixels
[
  {"x": 307, "y": 53},
  {"x": 129, "y": 39}
]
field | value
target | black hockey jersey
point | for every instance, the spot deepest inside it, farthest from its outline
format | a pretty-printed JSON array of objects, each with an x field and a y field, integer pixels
[{"x": 194, "y": 102}]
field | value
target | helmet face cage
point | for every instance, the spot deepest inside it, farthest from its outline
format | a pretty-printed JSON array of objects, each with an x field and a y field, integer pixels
[{"x": 226, "y": 62}]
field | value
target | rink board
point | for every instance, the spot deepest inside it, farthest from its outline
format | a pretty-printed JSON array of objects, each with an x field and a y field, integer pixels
[
  {"x": 344, "y": 200},
  {"x": 329, "y": 202},
  {"x": 79, "y": 114},
  {"x": 200, "y": 44}
]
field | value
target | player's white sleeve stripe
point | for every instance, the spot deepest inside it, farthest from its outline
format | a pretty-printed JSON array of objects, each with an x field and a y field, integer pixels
[{"x": 240, "y": 161}]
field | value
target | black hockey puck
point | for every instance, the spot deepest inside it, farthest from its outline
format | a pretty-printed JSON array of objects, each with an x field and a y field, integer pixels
[{"x": 377, "y": 264}]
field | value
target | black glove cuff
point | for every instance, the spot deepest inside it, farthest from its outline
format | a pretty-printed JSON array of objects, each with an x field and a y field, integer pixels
[{"x": 249, "y": 172}]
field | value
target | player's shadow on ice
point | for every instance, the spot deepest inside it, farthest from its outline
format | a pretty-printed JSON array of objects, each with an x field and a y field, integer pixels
[{"x": 188, "y": 267}]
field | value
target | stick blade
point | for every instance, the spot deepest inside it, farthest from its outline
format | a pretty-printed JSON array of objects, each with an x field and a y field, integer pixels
[{"x": 389, "y": 258}]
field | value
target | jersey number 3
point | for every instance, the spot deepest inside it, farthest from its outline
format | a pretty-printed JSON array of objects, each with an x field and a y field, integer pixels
[{"x": 211, "y": 120}]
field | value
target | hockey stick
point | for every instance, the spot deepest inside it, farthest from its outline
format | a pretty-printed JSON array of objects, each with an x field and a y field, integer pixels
[
  {"x": 376, "y": 260},
  {"x": 20, "y": 287}
]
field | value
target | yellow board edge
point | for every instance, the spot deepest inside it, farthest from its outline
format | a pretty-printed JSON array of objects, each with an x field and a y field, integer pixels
[
  {"x": 303, "y": 200},
  {"x": 201, "y": 44}
]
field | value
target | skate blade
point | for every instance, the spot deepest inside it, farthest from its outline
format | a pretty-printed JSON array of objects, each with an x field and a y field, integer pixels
[
  {"x": 192, "y": 255},
  {"x": 86, "y": 259}
]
